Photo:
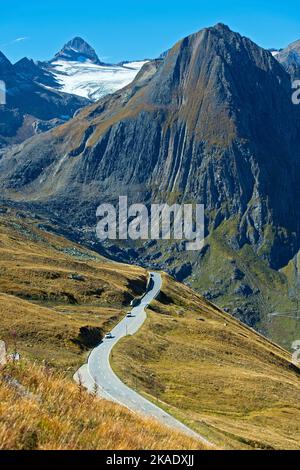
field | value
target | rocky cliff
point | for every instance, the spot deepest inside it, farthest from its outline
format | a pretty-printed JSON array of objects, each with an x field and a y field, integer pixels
[
  {"x": 212, "y": 122},
  {"x": 29, "y": 101}
]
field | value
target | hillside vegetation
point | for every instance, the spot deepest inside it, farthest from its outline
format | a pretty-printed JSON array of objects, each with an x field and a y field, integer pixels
[
  {"x": 57, "y": 298},
  {"x": 212, "y": 372},
  {"x": 243, "y": 283},
  {"x": 42, "y": 410}
]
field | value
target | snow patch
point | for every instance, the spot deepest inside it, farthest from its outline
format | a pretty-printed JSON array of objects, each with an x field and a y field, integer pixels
[{"x": 93, "y": 81}]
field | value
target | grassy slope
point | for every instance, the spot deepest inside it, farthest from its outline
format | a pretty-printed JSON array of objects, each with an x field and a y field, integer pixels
[
  {"x": 273, "y": 291},
  {"x": 203, "y": 366},
  {"x": 213, "y": 276},
  {"x": 42, "y": 308},
  {"x": 51, "y": 412},
  {"x": 217, "y": 375}
]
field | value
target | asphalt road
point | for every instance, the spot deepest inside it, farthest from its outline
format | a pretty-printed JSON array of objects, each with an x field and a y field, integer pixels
[{"x": 109, "y": 386}]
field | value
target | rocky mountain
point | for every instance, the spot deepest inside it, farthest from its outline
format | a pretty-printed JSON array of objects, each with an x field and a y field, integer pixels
[
  {"x": 211, "y": 123},
  {"x": 290, "y": 59},
  {"x": 5, "y": 66},
  {"x": 77, "y": 50},
  {"x": 29, "y": 70},
  {"x": 42, "y": 95},
  {"x": 30, "y": 104},
  {"x": 77, "y": 69}
]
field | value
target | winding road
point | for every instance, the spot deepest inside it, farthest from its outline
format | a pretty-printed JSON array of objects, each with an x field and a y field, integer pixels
[{"x": 97, "y": 374}]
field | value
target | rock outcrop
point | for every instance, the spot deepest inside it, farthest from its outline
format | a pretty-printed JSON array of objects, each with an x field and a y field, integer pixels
[{"x": 212, "y": 122}]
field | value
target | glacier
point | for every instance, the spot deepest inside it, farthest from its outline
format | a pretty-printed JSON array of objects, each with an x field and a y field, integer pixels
[{"x": 93, "y": 81}]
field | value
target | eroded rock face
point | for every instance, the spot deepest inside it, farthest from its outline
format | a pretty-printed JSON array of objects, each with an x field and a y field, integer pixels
[
  {"x": 290, "y": 59},
  {"x": 213, "y": 122},
  {"x": 244, "y": 290},
  {"x": 182, "y": 272}
]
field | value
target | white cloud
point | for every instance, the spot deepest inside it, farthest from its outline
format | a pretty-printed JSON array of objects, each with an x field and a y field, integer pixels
[
  {"x": 20, "y": 39},
  {"x": 15, "y": 41}
]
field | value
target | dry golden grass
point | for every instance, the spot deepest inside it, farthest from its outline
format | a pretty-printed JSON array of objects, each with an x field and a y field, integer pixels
[
  {"x": 210, "y": 371},
  {"x": 43, "y": 309},
  {"x": 48, "y": 411},
  {"x": 216, "y": 375},
  {"x": 42, "y": 306}
]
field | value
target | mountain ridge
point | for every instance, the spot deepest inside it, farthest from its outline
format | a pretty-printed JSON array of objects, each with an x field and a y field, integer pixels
[
  {"x": 43, "y": 95},
  {"x": 31, "y": 105},
  {"x": 213, "y": 123},
  {"x": 78, "y": 50},
  {"x": 169, "y": 92},
  {"x": 289, "y": 57}
]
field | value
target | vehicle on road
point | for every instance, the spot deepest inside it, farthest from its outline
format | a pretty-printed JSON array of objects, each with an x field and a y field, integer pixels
[
  {"x": 128, "y": 314},
  {"x": 108, "y": 335},
  {"x": 98, "y": 369},
  {"x": 135, "y": 302}
]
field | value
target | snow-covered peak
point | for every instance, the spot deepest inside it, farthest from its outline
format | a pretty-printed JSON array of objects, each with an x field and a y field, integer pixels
[
  {"x": 77, "y": 50},
  {"x": 77, "y": 70}
]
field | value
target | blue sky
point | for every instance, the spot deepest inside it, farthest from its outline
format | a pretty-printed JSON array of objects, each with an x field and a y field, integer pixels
[{"x": 131, "y": 29}]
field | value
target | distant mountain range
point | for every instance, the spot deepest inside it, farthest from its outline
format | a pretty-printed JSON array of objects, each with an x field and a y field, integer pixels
[
  {"x": 43, "y": 95},
  {"x": 77, "y": 69},
  {"x": 211, "y": 122},
  {"x": 290, "y": 59},
  {"x": 36, "y": 91},
  {"x": 30, "y": 105}
]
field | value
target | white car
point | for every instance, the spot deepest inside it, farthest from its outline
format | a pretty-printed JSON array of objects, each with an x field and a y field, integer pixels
[{"x": 108, "y": 336}]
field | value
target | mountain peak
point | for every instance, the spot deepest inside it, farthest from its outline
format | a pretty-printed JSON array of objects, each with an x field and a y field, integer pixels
[
  {"x": 78, "y": 44},
  {"x": 77, "y": 50},
  {"x": 5, "y": 66},
  {"x": 290, "y": 59},
  {"x": 4, "y": 60},
  {"x": 27, "y": 69},
  {"x": 222, "y": 27},
  {"x": 25, "y": 62}
]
